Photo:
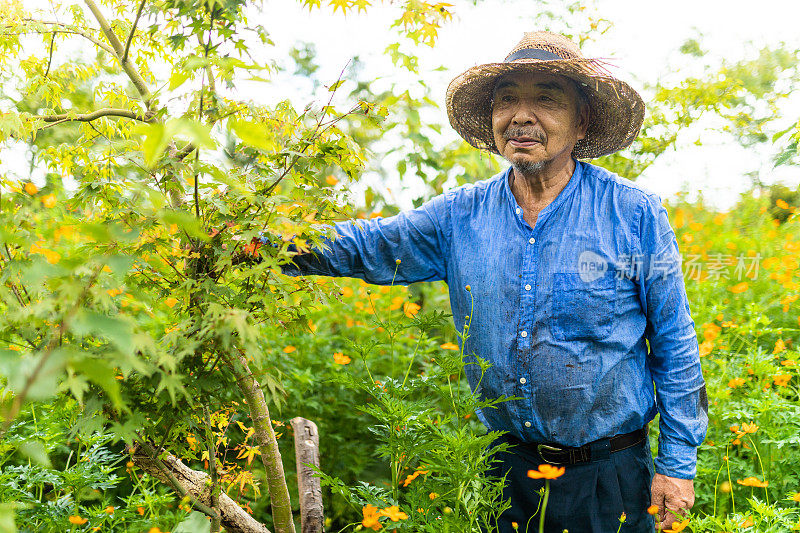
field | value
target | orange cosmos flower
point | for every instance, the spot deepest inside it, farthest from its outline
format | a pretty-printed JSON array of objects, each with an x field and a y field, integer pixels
[
  {"x": 752, "y": 482},
  {"x": 171, "y": 302},
  {"x": 781, "y": 380},
  {"x": 410, "y": 309},
  {"x": 739, "y": 288},
  {"x": 449, "y": 346},
  {"x": 433, "y": 495},
  {"x": 31, "y": 189},
  {"x": 748, "y": 427},
  {"x": 780, "y": 346},
  {"x": 371, "y": 517},
  {"x": 652, "y": 510},
  {"x": 394, "y": 513},
  {"x": 677, "y": 526},
  {"x": 49, "y": 201},
  {"x": 546, "y": 472},
  {"x": 109, "y": 509},
  {"x": 789, "y": 362},
  {"x": 706, "y": 347},
  {"x": 289, "y": 349},
  {"x": 77, "y": 520},
  {"x": 341, "y": 359},
  {"x": 736, "y": 382}
]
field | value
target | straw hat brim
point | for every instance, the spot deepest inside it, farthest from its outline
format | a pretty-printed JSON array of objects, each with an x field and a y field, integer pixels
[{"x": 616, "y": 109}]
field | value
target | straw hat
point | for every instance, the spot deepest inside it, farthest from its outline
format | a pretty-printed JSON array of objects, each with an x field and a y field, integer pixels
[{"x": 616, "y": 112}]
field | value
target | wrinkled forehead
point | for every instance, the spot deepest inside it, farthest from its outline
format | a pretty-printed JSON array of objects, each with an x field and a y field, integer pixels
[{"x": 530, "y": 80}]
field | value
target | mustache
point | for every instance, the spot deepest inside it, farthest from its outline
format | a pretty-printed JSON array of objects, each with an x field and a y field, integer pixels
[{"x": 512, "y": 133}]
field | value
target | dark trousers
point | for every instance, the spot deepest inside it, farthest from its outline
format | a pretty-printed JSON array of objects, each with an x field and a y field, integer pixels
[{"x": 588, "y": 498}]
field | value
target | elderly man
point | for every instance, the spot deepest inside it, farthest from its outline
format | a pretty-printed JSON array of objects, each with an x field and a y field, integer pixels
[{"x": 579, "y": 300}]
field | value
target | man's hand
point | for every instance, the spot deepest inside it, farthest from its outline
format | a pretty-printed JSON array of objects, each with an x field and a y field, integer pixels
[{"x": 671, "y": 494}]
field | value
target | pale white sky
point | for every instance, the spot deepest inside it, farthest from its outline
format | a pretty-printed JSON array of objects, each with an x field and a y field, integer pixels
[{"x": 642, "y": 43}]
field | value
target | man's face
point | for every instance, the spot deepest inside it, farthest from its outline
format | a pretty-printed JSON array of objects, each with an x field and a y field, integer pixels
[{"x": 536, "y": 119}]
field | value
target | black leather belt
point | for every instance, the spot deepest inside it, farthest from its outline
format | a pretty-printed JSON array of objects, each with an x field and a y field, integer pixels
[{"x": 566, "y": 455}]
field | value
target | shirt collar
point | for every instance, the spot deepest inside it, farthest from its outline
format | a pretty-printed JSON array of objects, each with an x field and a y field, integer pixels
[{"x": 565, "y": 193}]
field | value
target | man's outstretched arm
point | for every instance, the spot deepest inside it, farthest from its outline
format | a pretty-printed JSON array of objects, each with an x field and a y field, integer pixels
[{"x": 408, "y": 247}]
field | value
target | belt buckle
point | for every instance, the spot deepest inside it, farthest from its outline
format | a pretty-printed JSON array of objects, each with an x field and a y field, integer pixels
[{"x": 539, "y": 448}]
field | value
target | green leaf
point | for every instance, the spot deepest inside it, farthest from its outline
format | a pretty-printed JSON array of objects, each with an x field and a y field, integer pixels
[
  {"x": 7, "y": 517},
  {"x": 155, "y": 142},
  {"x": 36, "y": 452},
  {"x": 116, "y": 330},
  {"x": 101, "y": 374},
  {"x": 336, "y": 85},
  {"x": 196, "y": 522},
  {"x": 177, "y": 79},
  {"x": 251, "y": 133}
]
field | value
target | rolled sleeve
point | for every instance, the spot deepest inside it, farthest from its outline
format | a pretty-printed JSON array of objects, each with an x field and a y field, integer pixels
[
  {"x": 674, "y": 358},
  {"x": 369, "y": 249}
]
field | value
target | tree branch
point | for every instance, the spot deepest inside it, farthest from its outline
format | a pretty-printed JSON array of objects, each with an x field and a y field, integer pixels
[
  {"x": 118, "y": 51},
  {"x": 133, "y": 30},
  {"x": 192, "y": 483},
  {"x": 94, "y": 115},
  {"x": 65, "y": 28}
]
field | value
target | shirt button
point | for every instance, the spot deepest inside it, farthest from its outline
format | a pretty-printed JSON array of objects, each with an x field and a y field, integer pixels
[
  {"x": 523, "y": 334},
  {"x": 527, "y": 287},
  {"x": 531, "y": 240},
  {"x": 519, "y": 210},
  {"x": 527, "y": 424},
  {"x": 523, "y": 381}
]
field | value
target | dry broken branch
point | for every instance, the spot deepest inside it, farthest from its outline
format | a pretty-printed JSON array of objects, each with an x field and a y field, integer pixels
[{"x": 197, "y": 485}]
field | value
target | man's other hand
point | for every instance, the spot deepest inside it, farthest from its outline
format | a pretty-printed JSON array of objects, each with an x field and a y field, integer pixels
[{"x": 671, "y": 494}]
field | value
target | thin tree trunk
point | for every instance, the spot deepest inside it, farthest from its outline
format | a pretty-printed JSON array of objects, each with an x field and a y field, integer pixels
[
  {"x": 267, "y": 443},
  {"x": 306, "y": 448}
]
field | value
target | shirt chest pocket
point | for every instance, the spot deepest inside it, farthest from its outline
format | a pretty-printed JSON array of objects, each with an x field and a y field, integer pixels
[{"x": 582, "y": 309}]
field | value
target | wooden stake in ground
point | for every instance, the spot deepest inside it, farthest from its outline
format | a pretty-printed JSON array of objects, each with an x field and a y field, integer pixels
[{"x": 306, "y": 448}]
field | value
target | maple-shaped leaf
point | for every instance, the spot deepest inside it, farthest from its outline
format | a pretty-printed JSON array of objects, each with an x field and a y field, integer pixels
[{"x": 343, "y": 4}]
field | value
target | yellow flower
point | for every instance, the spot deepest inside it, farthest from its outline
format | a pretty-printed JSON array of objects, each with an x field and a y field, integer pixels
[
  {"x": 736, "y": 382},
  {"x": 49, "y": 201},
  {"x": 341, "y": 359},
  {"x": 371, "y": 517},
  {"x": 752, "y": 482},
  {"x": 171, "y": 301},
  {"x": 449, "y": 346},
  {"x": 706, "y": 347},
  {"x": 677, "y": 526},
  {"x": 546, "y": 472},
  {"x": 433, "y": 495},
  {"x": 155, "y": 530},
  {"x": 739, "y": 287},
  {"x": 77, "y": 520},
  {"x": 515, "y": 525},
  {"x": 289, "y": 349},
  {"x": 410, "y": 309},
  {"x": 331, "y": 180},
  {"x": 748, "y": 427},
  {"x": 779, "y": 346},
  {"x": 781, "y": 380},
  {"x": 796, "y": 497},
  {"x": 710, "y": 331},
  {"x": 412, "y": 477},
  {"x": 394, "y": 513},
  {"x": 652, "y": 510}
]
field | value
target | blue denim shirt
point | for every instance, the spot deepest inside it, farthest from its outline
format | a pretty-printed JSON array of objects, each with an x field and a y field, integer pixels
[{"x": 561, "y": 310}]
